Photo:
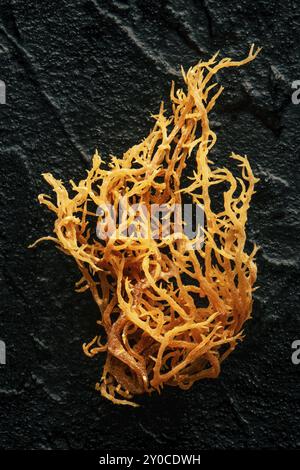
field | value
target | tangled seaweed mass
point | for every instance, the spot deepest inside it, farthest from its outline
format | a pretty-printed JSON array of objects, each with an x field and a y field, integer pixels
[{"x": 169, "y": 314}]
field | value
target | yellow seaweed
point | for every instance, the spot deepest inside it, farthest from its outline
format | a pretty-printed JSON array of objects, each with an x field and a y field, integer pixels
[{"x": 170, "y": 314}]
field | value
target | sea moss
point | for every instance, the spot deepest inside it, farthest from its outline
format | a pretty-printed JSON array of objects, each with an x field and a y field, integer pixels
[{"x": 170, "y": 313}]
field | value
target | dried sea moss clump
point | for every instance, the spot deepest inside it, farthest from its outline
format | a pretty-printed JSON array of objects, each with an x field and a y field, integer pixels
[{"x": 169, "y": 314}]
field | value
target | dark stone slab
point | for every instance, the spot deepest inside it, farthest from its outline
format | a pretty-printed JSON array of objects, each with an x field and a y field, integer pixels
[{"x": 86, "y": 74}]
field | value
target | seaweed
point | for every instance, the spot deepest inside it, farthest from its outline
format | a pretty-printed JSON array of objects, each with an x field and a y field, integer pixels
[{"x": 172, "y": 308}]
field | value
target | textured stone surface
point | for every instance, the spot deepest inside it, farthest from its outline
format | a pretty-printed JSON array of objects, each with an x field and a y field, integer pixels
[{"x": 86, "y": 74}]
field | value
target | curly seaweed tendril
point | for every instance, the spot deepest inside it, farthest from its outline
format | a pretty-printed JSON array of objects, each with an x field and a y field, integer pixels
[{"x": 171, "y": 314}]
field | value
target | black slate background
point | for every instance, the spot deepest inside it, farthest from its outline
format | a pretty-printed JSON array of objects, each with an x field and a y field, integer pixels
[{"x": 88, "y": 73}]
